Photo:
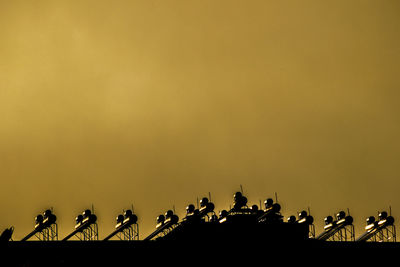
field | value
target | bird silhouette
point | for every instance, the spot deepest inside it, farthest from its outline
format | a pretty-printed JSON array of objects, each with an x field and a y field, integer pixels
[{"x": 7, "y": 234}]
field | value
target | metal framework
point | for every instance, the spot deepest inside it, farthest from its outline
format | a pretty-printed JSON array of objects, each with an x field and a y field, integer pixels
[
  {"x": 165, "y": 225},
  {"x": 86, "y": 228},
  {"x": 129, "y": 233},
  {"x": 382, "y": 230},
  {"x": 166, "y": 231},
  {"x": 46, "y": 228},
  {"x": 341, "y": 229},
  {"x": 49, "y": 233},
  {"x": 345, "y": 233},
  {"x": 90, "y": 233},
  {"x": 387, "y": 234}
]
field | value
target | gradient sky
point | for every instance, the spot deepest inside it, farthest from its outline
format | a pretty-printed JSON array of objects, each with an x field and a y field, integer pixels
[{"x": 157, "y": 103}]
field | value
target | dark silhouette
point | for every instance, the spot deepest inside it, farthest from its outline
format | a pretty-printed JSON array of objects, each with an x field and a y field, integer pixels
[
  {"x": 7, "y": 234},
  {"x": 382, "y": 230},
  {"x": 45, "y": 227},
  {"x": 86, "y": 227},
  {"x": 249, "y": 234},
  {"x": 164, "y": 224},
  {"x": 340, "y": 229},
  {"x": 126, "y": 227},
  {"x": 304, "y": 217}
]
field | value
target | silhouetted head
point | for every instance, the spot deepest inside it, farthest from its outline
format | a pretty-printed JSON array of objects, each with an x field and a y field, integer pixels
[
  {"x": 169, "y": 214},
  {"x": 223, "y": 213},
  {"x": 291, "y": 219},
  {"x": 390, "y": 220},
  {"x": 370, "y": 220},
  {"x": 349, "y": 220},
  {"x": 190, "y": 208},
  {"x": 120, "y": 218},
  {"x": 210, "y": 207},
  {"x": 128, "y": 213},
  {"x": 276, "y": 207},
  {"x": 268, "y": 202},
  {"x": 254, "y": 208},
  {"x": 240, "y": 201},
  {"x": 47, "y": 213},
  {"x": 92, "y": 218},
  {"x": 328, "y": 219},
  {"x": 237, "y": 196},
  {"x": 203, "y": 202},
  {"x": 52, "y": 218},
  {"x": 133, "y": 218},
  {"x": 174, "y": 218},
  {"x": 86, "y": 213},
  {"x": 302, "y": 214},
  {"x": 341, "y": 215},
  {"x": 39, "y": 219},
  {"x": 79, "y": 218},
  {"x": 160, "y": 218},
  {"x": 382, "y": 215}
]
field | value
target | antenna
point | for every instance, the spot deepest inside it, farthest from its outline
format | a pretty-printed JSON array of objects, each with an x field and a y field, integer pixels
[
  {"x": 209, "y": 196},
  {"x": 348, "y": 212},
  {"x": 197, "y": 202},
  {"x": 308, "y": 209},
  {"x": 173, "y": 208},
  {"x": 390, "y": 210},
  {"x": 276, "y": 197},
  {"x": 132, "y": 208},
  {"x": 241, "y": 189}
]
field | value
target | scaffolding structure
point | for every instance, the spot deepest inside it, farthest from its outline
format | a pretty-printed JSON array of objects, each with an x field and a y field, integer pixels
[
  {"x": 129, "y": 233},
  {"x": 48, "y": 234},
  {"x": 86, "y": 228},
  {"x": 46, "y": 228},
  {"x": 345, "y": 233},
  {"x": 127, "y": 228},
  {"x": 382, "y": 230},
  {"x": 165, "y": 224},
  {"x": 341, "y": 229},
  {"x": 203, "y": 219},
  {"x": 387, "y": 234}
]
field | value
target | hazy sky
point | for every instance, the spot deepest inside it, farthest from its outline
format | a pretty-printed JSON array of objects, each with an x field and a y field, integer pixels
[{"x": 156, "y": 103}]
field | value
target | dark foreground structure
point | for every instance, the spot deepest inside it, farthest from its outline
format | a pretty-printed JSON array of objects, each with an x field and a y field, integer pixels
[
  {"x": 243, "y": 235},
  {"x": 234, "y": 252}
]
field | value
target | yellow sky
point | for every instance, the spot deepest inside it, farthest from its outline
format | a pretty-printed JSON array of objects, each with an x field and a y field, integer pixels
[{"x": 156, "y": 103}]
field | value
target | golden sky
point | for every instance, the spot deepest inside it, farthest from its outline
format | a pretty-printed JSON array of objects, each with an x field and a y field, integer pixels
[{"x": 156, "y": 103}]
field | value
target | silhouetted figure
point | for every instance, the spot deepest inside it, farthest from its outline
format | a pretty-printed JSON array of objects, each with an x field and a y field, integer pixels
[{"x": 6, "y": 235}]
